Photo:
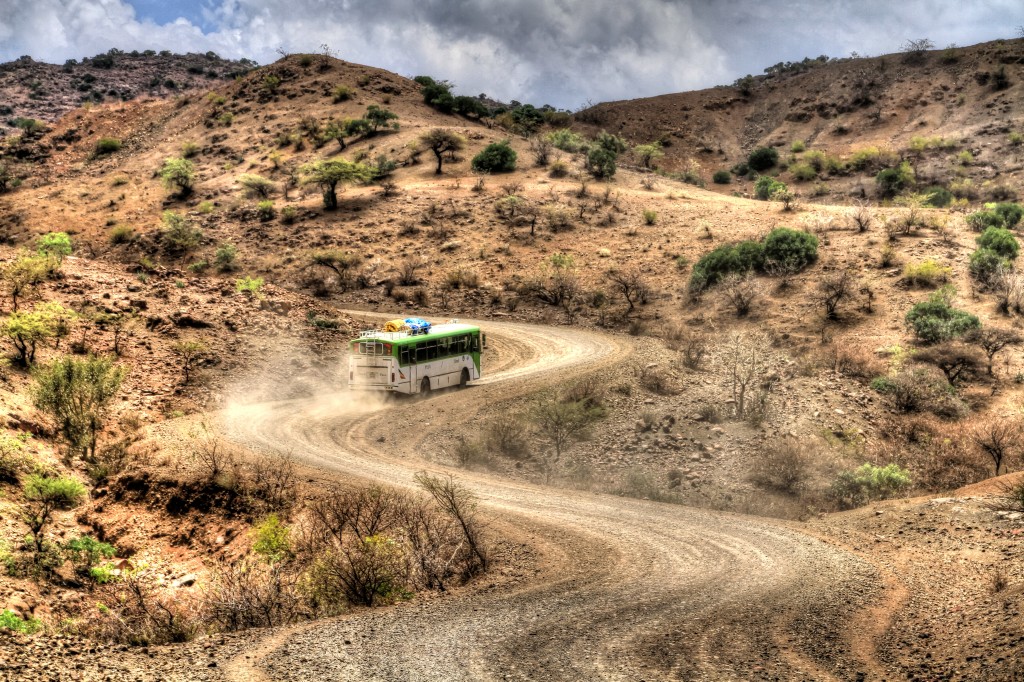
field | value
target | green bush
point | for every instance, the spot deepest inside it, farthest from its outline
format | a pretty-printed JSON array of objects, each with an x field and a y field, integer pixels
[
  {"x": 497, "y": 157},
  {"x": 85, "y": 552},
  {"x": 601, "y": 162},
  {"x": 792, "y": 249},
  {"x": 121, "y": 234},
  {"x": 722, "y": 177},
  {"x": 249, "y": 285},
  {"x": 892, "y": 181},
  {"x": 928, "y": 272},
  {"x": 725, "y": 260},
  {"x": 797, "y": 146},
  {"x": 937, "y": 196},
  {"x": 567, "y": 140},
  {"x": 763, "y": 158},
  {"x": 982, "y": 220},
  {"x": 985, "y": 264},
  {"x": 45, "y": 495},
  {"x": 1010, "y": 212},
  {"x": 106, "y": 145},
  {"x": 868, "y": 482},
  {"x": 178, "y": 174},
  {"x": 265, "y": 210},
  {"x": 1000, "y": 240},
  {"x": 767, "y": 186},
  {"x": 9, "y": 620},
  {"x": 936, "y": 320},
  {"x": 55, "y": 245},
  {"x": 178, "y": 233},
  {"x": 225, "y": 256},
  {"x": 803, "y": 171}
]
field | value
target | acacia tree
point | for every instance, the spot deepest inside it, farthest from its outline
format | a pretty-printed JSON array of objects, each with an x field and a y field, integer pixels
[
  {"x": 998, "y": 439},
  {"x": 441, "y": 141},
  {"x": 630, "y": 283},
  {"x": 560, "y": 423},
  {"x": 76, "y": 394},
  {"x": 991, "y": 340},
  {"x": 329, "y": 174}
]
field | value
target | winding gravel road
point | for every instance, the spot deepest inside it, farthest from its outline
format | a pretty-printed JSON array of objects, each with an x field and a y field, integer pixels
[{"x": 630, "y": 590}]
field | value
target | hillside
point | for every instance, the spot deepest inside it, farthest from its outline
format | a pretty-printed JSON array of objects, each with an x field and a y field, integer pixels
[
  {"x": 969, "y": 97},
  {"x": 35, "y": 90},
  {"x": 762, "y": 393}
]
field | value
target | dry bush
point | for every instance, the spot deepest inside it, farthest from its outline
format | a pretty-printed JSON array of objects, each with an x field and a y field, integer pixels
[
  {"x": 590, "y": 391},
  {"x": 740, "y": 292},
  {"x": 999, "y": 439},
  {"x": 1008, "y": 286},
  {"x": 957, "y": 361},
  {"x": 693, "y": 345},
  {"x": 856, "y": 363},
  {"x": 939, "y": 456},
  {"x": 861, "y": 217},
  {"x": 253, "y": 594},
  {"x": 657, "y": 381},
  {"x": 470, "y": 452},
  {"x": 140, "y": 609},
  {"x": 785, "y": 465},
  {"x": 218, "y": 461},
  {"x": 834, "y": 288},
  {"x": 1010, "y": 497},
  {"x": 271, "y": 481}
]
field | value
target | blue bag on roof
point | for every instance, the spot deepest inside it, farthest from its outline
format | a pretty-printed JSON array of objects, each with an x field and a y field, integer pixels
[{"x": 417, "y": 325}]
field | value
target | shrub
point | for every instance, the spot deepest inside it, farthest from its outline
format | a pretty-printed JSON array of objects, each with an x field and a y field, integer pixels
[
  {"x": 868, "y": 482},
  {"x": 986, "y": 265},
  {"x": 803, "y": 171},
  {"x": 935, "y": 320},
  {"x": 507, "y": 435},
  {"x": 9, "y": 620},
  {"x": 189, "y": 149},
  {"x": 785, "y": 465},
  {"x": 121, "y": 234},
  {"x": 999, "y": 240},
  {"x": 601, "y": 162},
  {"x": 928, "y": 272},
  {"x": 725, "y": 260},
  {"x": 178, "y": 233},
  {"x": 76, "y": 395},
  {"x": 340, "y": 93},
  {"x": 55, "y": 245},
  {"x": 106, "y": 145},
  {"x": 982, "y": 220},
  {"x": 567, "y": 140},
  {"x": 178, "y": 174},
  {"x": 249, "y": 285},
  {"x": 763, "y": 158},
  {"x": 721, "y": 177},
  {"x": 937, "y": 196},
  {"x": 497, "y": 157},
  {"x": 265, "y": 210},
  {"x": 766, "y": 186},
  {"x": 650, "y": 217},
  {"x": 225, "y": 256},
  {"x": 1010, "y": 212},
  {"x": 86, "y": 552},
  {"x": 256, "y": 185},
  {"x": 797, "y": 146},
  {"x": 790, "y": 249},
  {"x": 892, "y": 181}
]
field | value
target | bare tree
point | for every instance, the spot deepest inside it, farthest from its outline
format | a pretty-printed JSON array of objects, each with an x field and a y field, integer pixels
[
  {"x": 560, "y": 423},
  {"x": 631, "y": 284},
  {"x": 458, "y": 502},
  {"x": 997, "y": 438},
  {"x": 541, "y": 148},
  {"x": 748, "y": 365},
  {"x": 834, "y": 288},
  {"x": 991, "y": 340}
]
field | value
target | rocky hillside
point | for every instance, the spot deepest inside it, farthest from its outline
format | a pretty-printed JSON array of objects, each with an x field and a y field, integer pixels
[
  {"x": 951, "y": 111},
  {"x": 34, "y": 90}
]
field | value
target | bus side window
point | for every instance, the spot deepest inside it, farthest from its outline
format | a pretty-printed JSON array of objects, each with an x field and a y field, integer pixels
[
  {"x": 476, "y": 343},
  {"x": 463, "y": 344},
  {"x": 444, "y": 347},
  {"x": 403, "y": 356},
  {"x": 432, "y": 351},
  {"x": 421, "y": 352}
]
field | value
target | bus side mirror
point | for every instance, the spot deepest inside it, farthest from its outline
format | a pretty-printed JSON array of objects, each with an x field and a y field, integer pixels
[{"x": 483, "y": 339}]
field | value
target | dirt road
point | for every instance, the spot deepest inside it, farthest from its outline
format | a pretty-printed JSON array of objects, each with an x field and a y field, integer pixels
[{"x": 629, "y": 590}]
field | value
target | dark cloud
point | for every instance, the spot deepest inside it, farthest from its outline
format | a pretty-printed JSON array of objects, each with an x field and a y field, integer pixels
[{"x": 562, "y": 52}]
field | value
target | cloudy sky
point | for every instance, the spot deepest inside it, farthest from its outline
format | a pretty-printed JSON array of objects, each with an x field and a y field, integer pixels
[{"x": 561, "y": 52}]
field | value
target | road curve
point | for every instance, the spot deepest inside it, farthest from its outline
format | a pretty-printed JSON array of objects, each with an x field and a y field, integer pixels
[{"x": 633, "y": 590}]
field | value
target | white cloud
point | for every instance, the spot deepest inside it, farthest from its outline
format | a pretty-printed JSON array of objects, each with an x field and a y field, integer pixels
[{"x": 561, "y": 52}]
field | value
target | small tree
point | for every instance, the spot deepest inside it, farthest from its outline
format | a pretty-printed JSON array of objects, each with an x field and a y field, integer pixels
[
  {"x": 991, "y": 340},
  {"x": 997, "y": 438},
  {"x": 24, "y": 275},
  {"x": 341, "y": 263},
  {"x": 955, "y": 360},
  {"x": 561, "y": 423},
  {"x": 76, "y": 394},
  {"x": 763, "y": 158},
  {"x": 937, "y": 320},
  {"x": 329, "y": 174},
  {"x": 861, "y": 216},
  {"x": 46, "y": 495},
  {"x": 648, "y": 153},
  {"x": 748, "y": 364},
  {"x": 178, "y": 234},
  {"x": 178, "y": 175},
  {"x": 379, "y": 117},
  {"x": 442, "y": 141},
  {"x": 459, "y": 503},
  {"x": 191, "y": 352},
  {"x": 631, "y": 284},
  {"x": 55, "y": 245},
  {"x": 26, "y": 330}
]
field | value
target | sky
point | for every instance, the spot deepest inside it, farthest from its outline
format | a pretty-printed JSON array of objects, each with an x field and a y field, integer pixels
[{"x": 566, "y": 53}]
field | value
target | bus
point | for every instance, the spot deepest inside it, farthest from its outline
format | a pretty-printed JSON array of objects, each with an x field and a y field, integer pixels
[{"x": 415, "y": 357}]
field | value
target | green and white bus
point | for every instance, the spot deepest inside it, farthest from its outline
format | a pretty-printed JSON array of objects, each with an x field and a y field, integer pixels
[{"x": 416, "y": 360}]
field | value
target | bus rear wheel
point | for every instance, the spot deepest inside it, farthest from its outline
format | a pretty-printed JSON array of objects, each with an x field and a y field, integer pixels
[
  {"x": 464, "y": 378},
  {"x": 425, "y": 386}
]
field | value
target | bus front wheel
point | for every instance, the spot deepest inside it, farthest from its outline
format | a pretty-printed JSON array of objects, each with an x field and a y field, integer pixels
[
  {"x": 464, "y": 378},
  {"x": 425, "y": 385}
]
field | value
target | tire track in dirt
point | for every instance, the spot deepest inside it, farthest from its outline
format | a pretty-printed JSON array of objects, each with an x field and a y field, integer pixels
[{"x": 633, "y": 589}]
